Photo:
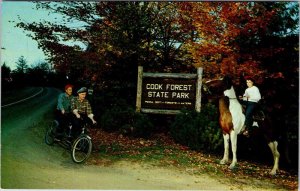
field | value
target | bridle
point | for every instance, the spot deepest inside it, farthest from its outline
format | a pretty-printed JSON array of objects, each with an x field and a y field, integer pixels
[{"x": 206, "y": 89}]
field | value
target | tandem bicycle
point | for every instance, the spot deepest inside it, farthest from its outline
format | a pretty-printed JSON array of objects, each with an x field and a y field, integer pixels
[{"x": 79, "y": 143}]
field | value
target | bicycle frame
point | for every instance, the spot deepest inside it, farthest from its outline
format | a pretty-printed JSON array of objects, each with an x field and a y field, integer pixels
[{"x": 80, "y": 146}]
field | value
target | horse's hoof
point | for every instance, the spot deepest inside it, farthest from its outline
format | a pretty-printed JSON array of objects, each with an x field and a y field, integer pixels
[
  {"x": 272, "y": 173},
  {"x": 232, "y": 167},
  {"x": 223, "y": 162}
]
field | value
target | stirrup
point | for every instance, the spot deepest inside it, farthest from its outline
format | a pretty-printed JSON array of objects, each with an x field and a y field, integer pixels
[
  {"x": 246, "y": 133},
  {"x": 259, "y": 116}
]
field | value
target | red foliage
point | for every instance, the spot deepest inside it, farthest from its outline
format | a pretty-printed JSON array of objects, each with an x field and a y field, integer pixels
[{"x": 217, "y": 27}]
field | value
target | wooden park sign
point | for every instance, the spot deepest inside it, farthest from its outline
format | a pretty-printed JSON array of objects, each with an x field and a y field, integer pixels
[{"x": 168, "y": 93}]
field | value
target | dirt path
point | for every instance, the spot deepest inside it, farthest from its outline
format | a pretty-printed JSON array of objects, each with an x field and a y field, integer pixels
[{"x": 28, "y": 163}]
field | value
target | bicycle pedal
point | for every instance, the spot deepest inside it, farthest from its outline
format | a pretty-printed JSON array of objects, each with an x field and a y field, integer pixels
[{"x": 56, "y": 139}]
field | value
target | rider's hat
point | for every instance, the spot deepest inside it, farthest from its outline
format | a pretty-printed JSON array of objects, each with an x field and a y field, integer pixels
[
  {"x": 82, "y": 90},
  {"x": 68, "y": 86}
]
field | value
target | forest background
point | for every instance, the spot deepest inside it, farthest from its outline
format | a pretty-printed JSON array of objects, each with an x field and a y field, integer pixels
[{"x": 111, "y": 39}]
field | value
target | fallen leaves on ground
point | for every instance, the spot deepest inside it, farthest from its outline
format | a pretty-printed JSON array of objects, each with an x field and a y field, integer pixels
[{"x": 165, "y": 151}]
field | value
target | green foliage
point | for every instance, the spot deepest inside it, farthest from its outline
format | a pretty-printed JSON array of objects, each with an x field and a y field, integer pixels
[
  {"x": 5, "y": 71},
  {"x": 127, "y": 121},
  {"x": 115, "y": 118},
  {"x": 5, "y": 76},
  {"x": 38, "y": 74},
  {"x": 113, "y": 96},
  {"x": 142, "y": 126},
  {"x": 198, "y": 131},
  {"x": 21, "y": 65}
]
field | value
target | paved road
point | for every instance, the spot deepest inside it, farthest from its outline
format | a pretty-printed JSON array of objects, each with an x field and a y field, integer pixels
[{"x": 28, "y": 163}]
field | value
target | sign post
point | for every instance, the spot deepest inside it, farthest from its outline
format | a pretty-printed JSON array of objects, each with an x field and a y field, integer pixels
[
  {"x": 168, "y": 93},
  {"x": 139, "y": 89},
  {"x": 198, "y": 89}
]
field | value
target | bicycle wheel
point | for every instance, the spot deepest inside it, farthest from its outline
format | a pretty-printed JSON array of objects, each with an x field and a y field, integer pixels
[
  {"x": 50, "y": 133},
  {"x": 81, "y": 149}
]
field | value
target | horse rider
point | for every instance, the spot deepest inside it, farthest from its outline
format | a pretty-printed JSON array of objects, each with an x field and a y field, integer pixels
[{"x": 250, "y": 99}]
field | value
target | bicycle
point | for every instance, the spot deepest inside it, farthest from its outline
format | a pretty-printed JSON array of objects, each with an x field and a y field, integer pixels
[{"x": 80, "y": 146}]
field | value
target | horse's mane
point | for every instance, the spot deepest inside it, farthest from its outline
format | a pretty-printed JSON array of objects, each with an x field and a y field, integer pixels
[
  {"x": 213, "y": 80},
  {"x": 224, "y": 101},
  {"x": 227, "y": 82}
]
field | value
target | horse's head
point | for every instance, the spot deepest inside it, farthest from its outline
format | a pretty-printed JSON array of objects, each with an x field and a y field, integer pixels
[
  {"x": 227, "y": 83},
  {"x": 215, "y": 88},
  {"x": 211, "y": 89}
]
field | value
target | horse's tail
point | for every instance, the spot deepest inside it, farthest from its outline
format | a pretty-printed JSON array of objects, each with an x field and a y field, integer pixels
[{"x": 267, "y": 129}]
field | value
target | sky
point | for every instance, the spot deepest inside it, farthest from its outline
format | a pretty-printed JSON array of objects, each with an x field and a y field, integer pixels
[{"x": 14, "y": 42}]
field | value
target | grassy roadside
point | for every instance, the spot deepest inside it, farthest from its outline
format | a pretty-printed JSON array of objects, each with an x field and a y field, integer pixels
[
  {"x": 10, "y": 96},
  {"x": 161, "y": 151}
]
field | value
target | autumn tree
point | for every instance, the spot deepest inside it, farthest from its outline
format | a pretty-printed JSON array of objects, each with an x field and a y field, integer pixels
[
  {"x": 167, "y": 38},
  {"x": 104, "y": 39},
  {"x": 218, "y": 26},
  {"x": 109, "y": 38},
  {"x": 229, "y": 36}
]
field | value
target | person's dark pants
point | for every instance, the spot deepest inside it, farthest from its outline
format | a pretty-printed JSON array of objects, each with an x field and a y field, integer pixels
[
  {"x": 63, "y": 120},
  {"x": 250, "y": 107},
  {"x": 77, "y": 123}
]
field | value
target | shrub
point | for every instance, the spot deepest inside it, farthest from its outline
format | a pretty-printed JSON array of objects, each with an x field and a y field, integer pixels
[
  {"x": 116, "y": 117},
  {"x": 141, "y": 126},
  {"x": 199, "y": 131},
  {"x": 127, "y": 121}
]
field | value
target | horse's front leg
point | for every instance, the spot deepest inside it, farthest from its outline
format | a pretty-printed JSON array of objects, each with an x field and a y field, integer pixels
[
  {"x": 276, "y": 155},
  {"x": 233, "y": 138},
  {"x": 226, "y": 149}
]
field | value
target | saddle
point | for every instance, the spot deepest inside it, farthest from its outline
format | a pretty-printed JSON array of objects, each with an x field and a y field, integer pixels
[{"x": 259, "y": 115}]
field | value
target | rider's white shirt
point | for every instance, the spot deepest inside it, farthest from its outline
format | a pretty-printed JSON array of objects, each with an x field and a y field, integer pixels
[{"x": 252, "y": 94}]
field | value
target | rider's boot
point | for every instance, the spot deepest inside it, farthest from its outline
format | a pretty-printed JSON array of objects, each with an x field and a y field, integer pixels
[{"x": 244, "y": 131}]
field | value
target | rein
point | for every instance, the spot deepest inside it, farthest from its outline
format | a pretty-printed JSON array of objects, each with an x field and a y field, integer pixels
[{"x": 205, "y": 87}]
